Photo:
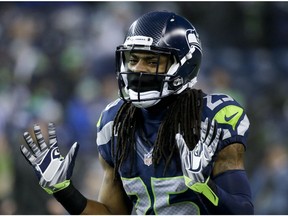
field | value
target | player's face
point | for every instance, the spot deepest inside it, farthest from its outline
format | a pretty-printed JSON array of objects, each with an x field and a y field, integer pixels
[{"x": 148, "y": 62}]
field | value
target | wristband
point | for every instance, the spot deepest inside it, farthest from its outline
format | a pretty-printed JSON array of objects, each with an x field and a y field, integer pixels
[{"x": 71, "y": 199}]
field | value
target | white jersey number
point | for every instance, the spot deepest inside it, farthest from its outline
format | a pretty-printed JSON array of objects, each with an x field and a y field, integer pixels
[{"x": 162, "y": 189}]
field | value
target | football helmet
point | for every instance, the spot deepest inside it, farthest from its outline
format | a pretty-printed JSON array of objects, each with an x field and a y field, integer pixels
[{"x": 162, "y": 34}]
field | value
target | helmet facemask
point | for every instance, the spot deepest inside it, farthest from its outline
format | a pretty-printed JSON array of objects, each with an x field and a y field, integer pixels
[{"x": 143, "y": 88}]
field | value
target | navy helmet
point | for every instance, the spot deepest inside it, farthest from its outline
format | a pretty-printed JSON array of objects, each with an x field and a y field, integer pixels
[{"x": 160, "y": 33}]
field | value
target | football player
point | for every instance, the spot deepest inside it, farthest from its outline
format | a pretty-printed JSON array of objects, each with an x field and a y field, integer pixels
[{"x": 166, "y": 147}]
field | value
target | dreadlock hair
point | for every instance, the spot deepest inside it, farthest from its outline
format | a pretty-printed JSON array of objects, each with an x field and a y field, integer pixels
[{"x": 183, "y": 116}]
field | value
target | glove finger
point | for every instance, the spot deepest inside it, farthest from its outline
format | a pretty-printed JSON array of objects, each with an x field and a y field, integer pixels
[
  {"x": 72, "y": 153},
  {"x": 27, "y": 155},
  {"x": 214, "y": 144},
  {"x": 70, "y": 159},
  {"x": 210, "y": 133},
  {"x": 180, "y": 142},
  {"x": 31, "y": 144},
  {"x": 207, "y": 151},
  {"x": 52, "y": 133},
  {"x": 183, "y": 153},
  {"x": 39, "y": 137},
  {"x": 204, "y": 128}
]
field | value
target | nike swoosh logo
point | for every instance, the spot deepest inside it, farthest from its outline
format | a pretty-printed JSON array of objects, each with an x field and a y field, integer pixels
[{"x": 228, "y": 118}]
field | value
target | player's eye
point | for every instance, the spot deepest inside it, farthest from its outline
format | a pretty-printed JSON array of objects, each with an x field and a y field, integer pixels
[
  {"x": 153, "y": 62},
  {"x": 133, "y": 61}
]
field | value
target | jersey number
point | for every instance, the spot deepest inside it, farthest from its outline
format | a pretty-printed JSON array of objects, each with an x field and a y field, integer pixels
[
  {"x": 212, "y": 105},
  {"x": 162, "y": 189}
]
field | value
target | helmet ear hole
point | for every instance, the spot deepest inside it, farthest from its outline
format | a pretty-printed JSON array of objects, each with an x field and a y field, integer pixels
[{"x": 176, "y": 83}]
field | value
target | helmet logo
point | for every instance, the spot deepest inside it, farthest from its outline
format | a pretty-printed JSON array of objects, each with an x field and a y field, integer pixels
[
  {"x": 138, "y": 40},
  {"x": 193, "y": 39}
]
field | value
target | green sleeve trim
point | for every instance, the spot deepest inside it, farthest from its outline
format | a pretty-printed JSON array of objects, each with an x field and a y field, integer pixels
[
  {"x": 57, "y": 187},
  {"x": 99, "y": 120},
  {"x": 204, "y": 189}
]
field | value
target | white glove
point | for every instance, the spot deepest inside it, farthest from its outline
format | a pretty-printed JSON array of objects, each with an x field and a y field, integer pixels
[
  {"x": 53, "y": 170},
  {"x": 195, "y": 163}
]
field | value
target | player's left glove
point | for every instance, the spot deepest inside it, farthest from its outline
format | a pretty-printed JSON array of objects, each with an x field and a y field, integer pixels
[
  {"x": 52, "y": 169},
  {"x": 196, "y": 163}
]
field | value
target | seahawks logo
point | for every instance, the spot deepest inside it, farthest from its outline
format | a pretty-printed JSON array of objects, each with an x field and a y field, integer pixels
[
  {"x": 54, "y": 155},
  {"x": 193, "y": 38}
]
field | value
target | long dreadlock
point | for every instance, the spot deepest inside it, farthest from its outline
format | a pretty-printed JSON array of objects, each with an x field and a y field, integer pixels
[{"x": 183, "y": 115}]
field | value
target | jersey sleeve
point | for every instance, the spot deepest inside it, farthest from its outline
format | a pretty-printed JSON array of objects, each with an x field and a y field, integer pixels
[
  {"x": 229, "y": 115},
  {"x": 104, "y": 131}
]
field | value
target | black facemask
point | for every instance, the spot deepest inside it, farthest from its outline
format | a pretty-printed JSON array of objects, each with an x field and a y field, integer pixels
[{"x": 141, "y": 82}]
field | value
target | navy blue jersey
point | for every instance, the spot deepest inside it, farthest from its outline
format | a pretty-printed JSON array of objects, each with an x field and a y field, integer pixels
[{"x": 152, "y": 190}]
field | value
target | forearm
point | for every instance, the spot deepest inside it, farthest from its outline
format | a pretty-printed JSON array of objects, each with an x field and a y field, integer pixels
[
  {"x": 94, "y": 207},
  {"x": 234, "y": 193},
  {"x": 75, "y": 203}
]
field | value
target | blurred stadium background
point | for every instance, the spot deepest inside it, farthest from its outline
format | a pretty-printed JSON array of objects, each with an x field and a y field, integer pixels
[{"x": 57, "y": 64}]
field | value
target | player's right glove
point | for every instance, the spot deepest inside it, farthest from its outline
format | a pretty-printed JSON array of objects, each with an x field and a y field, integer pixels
[
  {"x": 196, "y": 163},
  {"x": 53, "y": 170}
]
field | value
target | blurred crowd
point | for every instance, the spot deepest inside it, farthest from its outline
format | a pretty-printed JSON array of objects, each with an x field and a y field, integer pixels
[{"x": 57, "y": 65}]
